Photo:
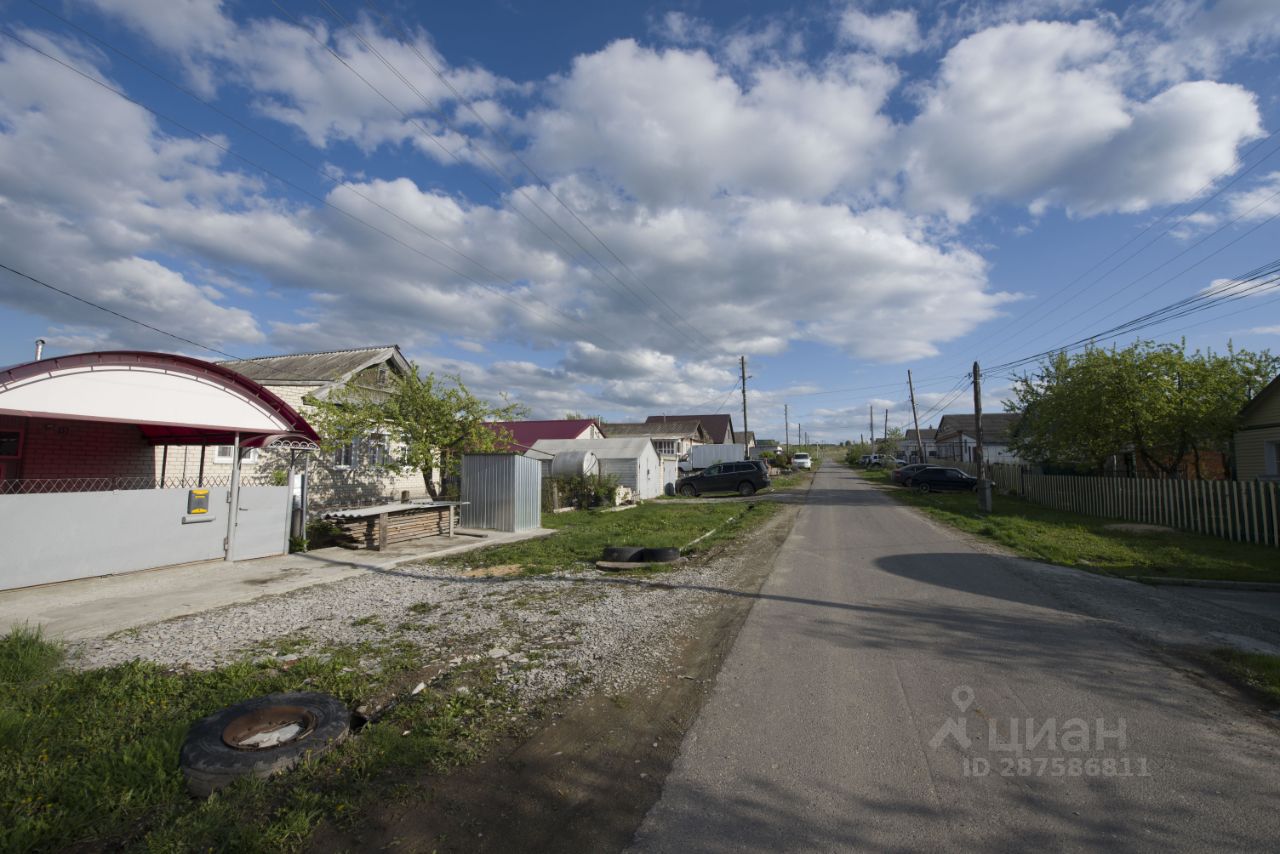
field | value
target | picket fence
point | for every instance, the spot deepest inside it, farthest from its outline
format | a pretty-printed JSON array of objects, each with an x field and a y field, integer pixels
[{"x": 1242, "y": 511}]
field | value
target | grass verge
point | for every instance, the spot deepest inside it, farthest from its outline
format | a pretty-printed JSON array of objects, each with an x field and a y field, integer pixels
[
  {"x": 1258, "y": 671},
  {"x": 583, "y": 534},
  {"x": 90, "y": 759},
  {"x": 1087, "y": 542}
]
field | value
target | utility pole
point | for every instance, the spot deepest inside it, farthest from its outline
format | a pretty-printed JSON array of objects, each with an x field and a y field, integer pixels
[
  {"x": 786, "y": 427},
  {"x": 871, "y": 407},
  {"x": 743, "y": 362},
  {"x": 886, "y": 425},
  {"x": 979, "y": 458},
  {"x": 915, "y": 418}
]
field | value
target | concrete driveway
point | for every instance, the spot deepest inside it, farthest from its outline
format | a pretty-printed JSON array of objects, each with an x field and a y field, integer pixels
[
  {"x": 898, "y": 688},
  {"x": 97, "y": 607}
]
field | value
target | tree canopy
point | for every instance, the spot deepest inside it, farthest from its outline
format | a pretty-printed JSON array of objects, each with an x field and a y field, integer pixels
[
  {"x": 1158, "y": 401},
  {"x": 423, "y": 420}
]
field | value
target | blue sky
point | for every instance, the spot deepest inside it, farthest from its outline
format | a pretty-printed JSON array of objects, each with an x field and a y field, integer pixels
[{"x": 598, "y": 207}]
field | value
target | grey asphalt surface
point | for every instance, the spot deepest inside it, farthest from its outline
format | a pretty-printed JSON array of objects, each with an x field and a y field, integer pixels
[{"x": 822, "y": 730}]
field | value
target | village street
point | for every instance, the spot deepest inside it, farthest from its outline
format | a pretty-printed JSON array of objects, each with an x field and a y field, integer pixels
[{"x": 882, "y": 642}]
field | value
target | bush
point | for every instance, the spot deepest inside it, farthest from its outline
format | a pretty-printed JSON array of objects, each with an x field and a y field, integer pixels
[
  {"x": 583, "y": 491},
  {"x": 323, "y": 532}
]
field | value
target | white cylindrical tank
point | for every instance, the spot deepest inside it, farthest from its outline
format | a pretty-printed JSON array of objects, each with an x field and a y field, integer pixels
[{"x": 574, "y": 464}]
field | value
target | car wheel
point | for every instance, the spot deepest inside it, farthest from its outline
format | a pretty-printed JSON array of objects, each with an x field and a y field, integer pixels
[
  {"x": 260, "y": 737},
  {"x": 924, "y": 487},
  {"x": 688, "y": 491},
  {"x": 746, "y": 488}
]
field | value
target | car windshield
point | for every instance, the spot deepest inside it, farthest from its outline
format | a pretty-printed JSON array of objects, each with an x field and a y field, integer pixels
[{"x": 802, "y": 456}]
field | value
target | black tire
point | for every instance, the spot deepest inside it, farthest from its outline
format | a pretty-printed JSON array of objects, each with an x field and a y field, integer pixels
[
  {"x": 688, "y": 491},
  {"x": 924, "y": 487},
  {"x": 622, "y": 554},
  {"x": 664, "y": 555},
  {"x": 208, "y": 762},
  {"x": 669, "y": 489},
  {"x": 746, "y": 488}
]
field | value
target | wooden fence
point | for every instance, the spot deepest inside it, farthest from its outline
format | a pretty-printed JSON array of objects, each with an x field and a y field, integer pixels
[{"x": 1243, "y": 511}]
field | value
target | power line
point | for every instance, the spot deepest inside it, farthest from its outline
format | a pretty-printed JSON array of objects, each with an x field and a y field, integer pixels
[{"x": 111, "y": 311}]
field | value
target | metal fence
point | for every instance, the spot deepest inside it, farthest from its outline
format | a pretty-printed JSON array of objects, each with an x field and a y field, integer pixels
[{"x": 47, "y": 486}]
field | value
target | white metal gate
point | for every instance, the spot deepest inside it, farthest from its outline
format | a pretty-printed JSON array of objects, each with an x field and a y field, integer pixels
[{"x": 262, "y": 524}]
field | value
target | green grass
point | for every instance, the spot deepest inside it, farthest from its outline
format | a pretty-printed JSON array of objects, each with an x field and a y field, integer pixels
[
  {"x": 796, "y": 479},
  {"x": 1260, "y": 672},
  {"x": 90, "y": 759},
  {"x": 1086, "y": 542},
  {"x": 583, "y": 534}
]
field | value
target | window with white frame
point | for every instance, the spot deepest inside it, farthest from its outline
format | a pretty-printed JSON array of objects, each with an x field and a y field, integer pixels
[
  {"x": 1272, "y": 452},
  {"x": 376, "y": 451},
  {"x": 225, "y": 454},
  {"x": 344, "y": 456}
]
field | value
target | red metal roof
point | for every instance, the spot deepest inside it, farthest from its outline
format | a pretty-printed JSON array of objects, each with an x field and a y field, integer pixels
[
  {"x": 524, "y": 433},
  {"x": 175, "y": 431}
]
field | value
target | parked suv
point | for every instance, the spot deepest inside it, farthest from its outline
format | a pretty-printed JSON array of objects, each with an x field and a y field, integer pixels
[
  {"x": 801, "y": 461},
  {"x": 745, "y": 478}
]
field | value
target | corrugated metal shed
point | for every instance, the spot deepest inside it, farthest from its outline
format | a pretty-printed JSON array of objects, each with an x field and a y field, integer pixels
[{"x": 504, "y": 492}]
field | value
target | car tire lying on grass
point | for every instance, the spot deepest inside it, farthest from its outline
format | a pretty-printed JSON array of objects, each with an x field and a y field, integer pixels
[
  {"x": 260, "y": 737},
  {"x": 622, "y": 554},
  {"x": 665, "y": 555}
]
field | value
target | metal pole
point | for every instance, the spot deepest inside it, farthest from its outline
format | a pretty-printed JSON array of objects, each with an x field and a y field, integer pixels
[
  {"x": 743, "y": 363},
  {"x": 200, "y": 476},
  {"x": 915, "y": 418},
  {"x": 233, "y": 501},
  {"x": 979, "y": 458},
  {"x": 164, "y": 464},
  {"x": 786, "y": 427}
]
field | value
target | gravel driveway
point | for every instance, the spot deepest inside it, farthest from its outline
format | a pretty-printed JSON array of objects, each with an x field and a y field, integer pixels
[{"x": 547, "y": 633}]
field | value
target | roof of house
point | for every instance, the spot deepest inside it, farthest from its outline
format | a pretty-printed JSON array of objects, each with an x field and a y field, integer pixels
[
  {"x": 996, "y": 426},
  {"x": 929, "y": 435},
  {"x": 670, "y": 429},
  {"x": 628, "y": 448},
  {"x": 718, "y": 427},
  {"x": 747, "y": 437},
  {"x": 525, "y": 433},
  {"x": 329, "y": 367},
  {"x": 1271, "y": 388}
]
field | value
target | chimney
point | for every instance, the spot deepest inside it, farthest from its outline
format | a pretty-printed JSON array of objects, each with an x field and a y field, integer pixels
[{"x": 39, "y": 348}]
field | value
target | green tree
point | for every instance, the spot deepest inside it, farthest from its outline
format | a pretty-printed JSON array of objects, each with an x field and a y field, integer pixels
[
  {"x": 1162, "y": 403},
  {"x": 424, "y": 421}
]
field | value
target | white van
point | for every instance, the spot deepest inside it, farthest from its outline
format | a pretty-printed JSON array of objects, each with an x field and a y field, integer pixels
[{"x": 801, "y": 461}]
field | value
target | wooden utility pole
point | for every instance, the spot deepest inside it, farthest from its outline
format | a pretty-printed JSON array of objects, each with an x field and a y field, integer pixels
[
  {"x": 786, "y": 427},
  {"x": 886, "y": 425},
  {"x": 915, "y": 418},
  {"x": 745, "y": 450},
  {"x": 871, "y": 408},
  {"x": 979, "y": 458}
]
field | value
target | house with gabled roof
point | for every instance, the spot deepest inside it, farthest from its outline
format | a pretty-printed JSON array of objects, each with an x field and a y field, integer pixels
[
  {"x": 719, "y": 426},
  {"x": 1257, "y": 441},
  {"x": 350, "y": 474},
  {"x": 520, "y": 436},
  {"x": 672, "y": 438},
  {"x": 956, "y": 437}
]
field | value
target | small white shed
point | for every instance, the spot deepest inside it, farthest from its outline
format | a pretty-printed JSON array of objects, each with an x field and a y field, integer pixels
[{"x": 633, "y": 461}]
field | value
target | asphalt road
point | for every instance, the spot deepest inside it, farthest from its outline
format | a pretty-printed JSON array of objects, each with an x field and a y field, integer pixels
[{"x": 827, "y": 728}]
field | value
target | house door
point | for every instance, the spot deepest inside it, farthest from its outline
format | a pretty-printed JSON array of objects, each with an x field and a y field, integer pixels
[{"x": 262, "y": 524}]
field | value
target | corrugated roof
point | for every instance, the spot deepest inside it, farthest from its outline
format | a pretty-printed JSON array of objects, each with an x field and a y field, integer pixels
[
  {"x": 525, "y": 433},
  {"x": 665, "y": 430},
  {"x": 629, "y": 448},
  {"x": 996, "y": 426},
  {"x": 718, "y": 427},
  {"x": 323, "y": 367},
  {"x": 927, "y": 435}
]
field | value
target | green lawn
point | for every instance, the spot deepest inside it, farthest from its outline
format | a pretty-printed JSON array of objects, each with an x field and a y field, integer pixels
[
  {"x": 1071, "y": 539},
  {"x": 1260, "y": 672},
  {"x": 90, "y": 759},
  {"x": 583, "y": 534}
]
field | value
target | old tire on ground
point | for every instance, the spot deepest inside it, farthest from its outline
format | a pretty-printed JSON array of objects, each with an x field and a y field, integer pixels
[
  {"x": 688, "y": 491},
  {"x": 746, "y": 488},
  {"x": 237, "y": 741},
  {"x": 669, "y": 489},
  {"x": 622, "y": 554},
  {"x": 663, "y": 555}
]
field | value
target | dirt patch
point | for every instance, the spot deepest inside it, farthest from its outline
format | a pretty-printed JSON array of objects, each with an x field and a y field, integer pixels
[
  {"x": 494, "y": 571},
  {"x": 1137, "y": 528},
  {"x": 584, "y": 780}
]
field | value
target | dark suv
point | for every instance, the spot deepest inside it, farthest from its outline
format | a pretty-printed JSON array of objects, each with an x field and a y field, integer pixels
[{"x": 745, "y": 478}]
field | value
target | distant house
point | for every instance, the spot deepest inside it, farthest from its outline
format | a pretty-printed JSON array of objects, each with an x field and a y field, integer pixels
[
  {"x": 523, "y": 434},
  {"x": 909, "y": 447},
  {"x": 1257, "y": 442},
  {"x": 956, "y": 437},
  {"x": 748, "y": 438},
  {"x": 670, "y": 438},
  {"x": 718, "y": 427},
  {"x": 347, "y": 475}
]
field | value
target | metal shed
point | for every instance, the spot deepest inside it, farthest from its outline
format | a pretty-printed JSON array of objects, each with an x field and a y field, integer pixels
[
  {"x": 501, "y": 492},
  {"x": 633, "y": 461}
]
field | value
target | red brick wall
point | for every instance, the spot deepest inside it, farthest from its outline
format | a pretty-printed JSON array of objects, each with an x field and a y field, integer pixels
[{"x": 56, "y": 449}]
